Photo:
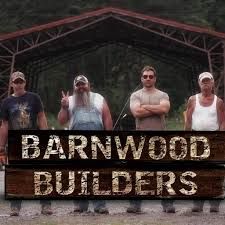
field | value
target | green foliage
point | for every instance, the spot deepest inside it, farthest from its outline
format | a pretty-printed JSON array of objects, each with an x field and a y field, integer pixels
[
  {"x": 182, "y": 108},
  {"x": 53, "y": 123},
  {"x": 15, "y": 14},
  {"x": 174, "y": 123}
]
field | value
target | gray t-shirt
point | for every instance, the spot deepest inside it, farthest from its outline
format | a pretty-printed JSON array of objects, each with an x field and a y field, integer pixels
[{"x": 153, "y": 122}]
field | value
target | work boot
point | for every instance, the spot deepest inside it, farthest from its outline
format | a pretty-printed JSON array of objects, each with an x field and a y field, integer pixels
[
  {"x": 214, "y": 206},
  {"x": 14, "y": 211},
  {"x": 170, "y": 209},
  {"x": 214, "y": 209},
  {"x": 101, "y": 210},
  {"x": 46, "y": 210},
  {"x": 135, "y": 206},
  {"x": 77, "y": 209},
  {"x": 198, "y": 206},
  {"x": 168, "y": 206},
  {"x": 82, "y": 207},
  {"x": 133, "y": 209}
]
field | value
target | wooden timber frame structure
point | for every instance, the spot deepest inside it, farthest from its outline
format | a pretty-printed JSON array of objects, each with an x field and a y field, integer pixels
[{"x": 36, "y": 49}]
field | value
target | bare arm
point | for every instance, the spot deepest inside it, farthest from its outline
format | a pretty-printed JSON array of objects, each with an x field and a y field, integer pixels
[
  {"x": 42, "y": 121},
  {"x": 140, "y": 112},
  {"x": 221, "y": 114},
  {"x": 106, "y": 117},
  {"x": 160, "y": 109},
  {"x": 63, "y": 115},
  {"x": 3, "y": 138},
  {"x": 189, "y": 111},
  {"x": 137, "y": 109}
]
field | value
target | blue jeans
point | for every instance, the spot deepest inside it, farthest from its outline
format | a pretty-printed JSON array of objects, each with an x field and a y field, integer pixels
[{"x": 135, "y": 203}]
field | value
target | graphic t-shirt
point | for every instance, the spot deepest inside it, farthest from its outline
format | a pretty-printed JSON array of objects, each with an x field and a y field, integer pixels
[{"x": 21, "y": 112}]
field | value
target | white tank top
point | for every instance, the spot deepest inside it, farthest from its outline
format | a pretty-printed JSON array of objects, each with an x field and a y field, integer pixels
[{"x": 205, "y": 117}]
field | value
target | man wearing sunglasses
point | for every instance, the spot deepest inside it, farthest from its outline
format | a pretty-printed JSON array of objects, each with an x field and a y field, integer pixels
[
  {"x": 149, "y": 106},
  {"x": 22, "y": 110},
  {"x": 85, "y": 110}
]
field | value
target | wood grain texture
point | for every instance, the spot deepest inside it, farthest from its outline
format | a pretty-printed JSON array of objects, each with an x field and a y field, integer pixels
[
  {"x": 113, "y": 183},
  {"x": 95, "y": 147}
]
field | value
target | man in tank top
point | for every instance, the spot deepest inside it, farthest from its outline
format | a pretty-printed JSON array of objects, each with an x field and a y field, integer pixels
[
  {"x": 149, "y": 106},
  {"x": 85, "y": 110},
  {"x": 205, "y": 112}
]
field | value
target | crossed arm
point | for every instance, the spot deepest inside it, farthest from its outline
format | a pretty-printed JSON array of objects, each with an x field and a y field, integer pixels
[{"x": 139, "y": 111}]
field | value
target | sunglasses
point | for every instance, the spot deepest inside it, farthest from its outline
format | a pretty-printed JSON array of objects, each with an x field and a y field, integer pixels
[{"x": 148, "y": 76}]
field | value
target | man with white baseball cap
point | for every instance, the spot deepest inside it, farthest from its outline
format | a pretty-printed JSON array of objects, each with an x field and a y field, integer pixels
[
  {"x": 205, "y": 112},
  {"x": 205, "y": 75},
  {"x": 80, "y": 78}
]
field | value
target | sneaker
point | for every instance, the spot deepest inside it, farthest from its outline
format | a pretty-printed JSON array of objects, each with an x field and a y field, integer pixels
[
  {"x": 14, "y": 211},
  {"x": 197, "y": 208},
  {"x": 133, "y": 209},
  {"x": 214, "y": 209},
  {"x": 46, "y": 210},
  {"x": 101, "y": 210}
]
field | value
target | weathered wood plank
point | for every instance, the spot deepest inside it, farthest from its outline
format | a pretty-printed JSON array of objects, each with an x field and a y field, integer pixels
[
  {"x": 65, "y": 146},
  {"x": 112, "y": 183}
]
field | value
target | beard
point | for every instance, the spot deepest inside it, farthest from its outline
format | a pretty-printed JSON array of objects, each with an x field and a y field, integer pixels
[{"x": 82, "y": 98}]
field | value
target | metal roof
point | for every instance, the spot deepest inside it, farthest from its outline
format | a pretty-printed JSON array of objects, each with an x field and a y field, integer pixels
[
  {"x": 116, "y": 11},
  {"x": 191, "y": 46}
]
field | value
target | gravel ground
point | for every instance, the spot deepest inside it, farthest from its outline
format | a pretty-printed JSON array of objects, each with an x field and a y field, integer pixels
[{"x": 153, "y": 215}]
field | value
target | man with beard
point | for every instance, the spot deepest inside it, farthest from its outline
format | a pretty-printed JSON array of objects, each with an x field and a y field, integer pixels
[
  {"x": 205, "y": 112},
  {"x": 22, "y": 110},
  {"x": 149, "y": 106},
  {"x": 85, "y": 110}
]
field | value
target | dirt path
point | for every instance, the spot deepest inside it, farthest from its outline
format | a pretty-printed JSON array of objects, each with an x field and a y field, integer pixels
[{"x": 30, "y": 214}]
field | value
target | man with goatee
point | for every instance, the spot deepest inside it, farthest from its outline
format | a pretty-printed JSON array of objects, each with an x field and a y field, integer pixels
[
  {"x": 149, "y": 106},
  {"x": 85, "y": 110}
]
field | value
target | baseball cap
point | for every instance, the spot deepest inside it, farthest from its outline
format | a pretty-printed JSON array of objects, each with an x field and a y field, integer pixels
[
  {"x": 205, "y": 75},
  {"x": 80, "y": 78},
  {"x": 17, "y": 75}
]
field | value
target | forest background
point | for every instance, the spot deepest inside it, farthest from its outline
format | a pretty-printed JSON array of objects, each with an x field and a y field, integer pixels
[{"x": 114, "y": 70}]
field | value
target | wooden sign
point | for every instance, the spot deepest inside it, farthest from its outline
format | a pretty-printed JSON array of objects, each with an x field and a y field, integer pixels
[
  {"x": 47, "y": 146},
  {"x": 53, "y": 164},
  {"x": 113, "y": 183}
]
